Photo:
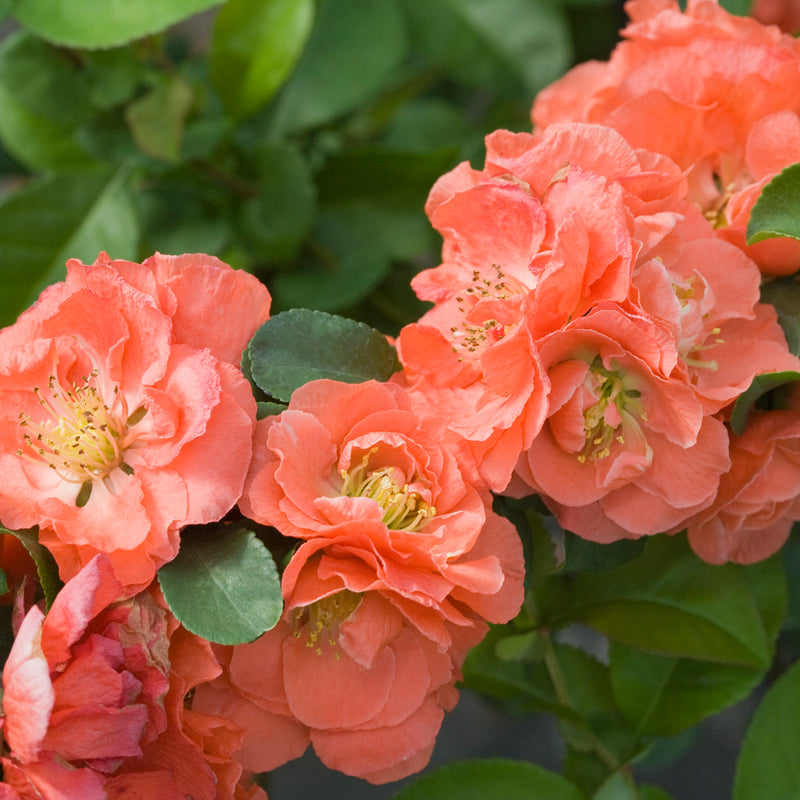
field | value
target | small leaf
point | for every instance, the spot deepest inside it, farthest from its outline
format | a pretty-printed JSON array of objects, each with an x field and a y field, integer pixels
[
  {"x": 46, "y": 567},
  {"x": 254, "y": 47},
  {"x": 489, "y": 778},
  {"x": 298, "y": 346},
  {"x": 223, "y": 585},
  {"x": 157, "y": 118},
  {"x": 777, "y": 210},
  {"x": 784, "y": 295},
  {"x": 760, "y": 386},
  {"x": 768, "y": 768},
  {"x": 738, "y": 7},
  {"x": 86, "y": 23}
]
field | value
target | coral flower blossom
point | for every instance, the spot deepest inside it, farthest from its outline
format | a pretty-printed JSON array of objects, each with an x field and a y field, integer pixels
[
  {"x": 627, "y": 449},
  {"x": 717, "y": 93},
  {"x": 757, "y": 501},
  {"x": 89, "y": 699},
  {"x": 402, "y": 564},
  {"x": 107, "y": 418},
  {"x": 552, "y": 225}
]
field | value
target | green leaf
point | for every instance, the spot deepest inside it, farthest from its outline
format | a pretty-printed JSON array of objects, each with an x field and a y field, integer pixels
[
  {"x": 88, "y": 24},
  {"x": 352, "y": 51},
  {"x": 668, "y": 601},
  {"x": 739, "y": 7},
  {"x": 501, "y": 46},
  {"x": 42, "y": 103},
  {"x": 784, "y": 295},
  {"x": 581, "y": 555},
  {"x": 55, "y": 218},
  {"x": 768, "y": 768},
  {"x": 276, "y": 221},
  {"x": 496, "y": 777},
  {"x": 663, "y": 695},
  {"x": 758, "y": 388},
  {"x": 254, "y": 47},
  {"x": 223, "y": 585},
  {"x": 46, "y": 567},
  {"x": 777, "y": 210},
  {"x": 157, "y": 118},
  {"x": 298, "y": 346}
]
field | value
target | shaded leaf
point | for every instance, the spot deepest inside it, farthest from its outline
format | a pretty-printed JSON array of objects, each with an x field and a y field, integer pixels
[
  {"x": 298, "y": 346},
  {"x": 85, "y": 23},
  {"x": 58, "y": 217},
  {"x": 223, "y": 585},
  {"x": 157, "y": 118},
  {"x": 758, "y": 388},
  {"x": 254, "y": 47},
  {"x": 46, "y": 567},
  {"x": 768, "y": 768},
  {"x": 668, "y": 601},
  {"x": 352, "y": 50},
  {"x": 496, "y": 777}
]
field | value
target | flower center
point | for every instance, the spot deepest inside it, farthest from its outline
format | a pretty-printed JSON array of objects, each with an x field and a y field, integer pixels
[
  {"x": 403, "y": 508},
  {"x": 471, "y": 335},
  {"x": 616, "y": 408},
  {"x": 80, "y": 437},
  {"x": 324, "y": 617}
]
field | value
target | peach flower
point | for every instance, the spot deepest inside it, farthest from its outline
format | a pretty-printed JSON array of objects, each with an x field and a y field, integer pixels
[
  {"x": 627, "y": 449},
  {"x": 106, "y": 417},
  {"x": 93, "y": 700},
  {"x": 757, "y": 501},
  {"x": 783, "y": 13},
  {"x": 552, "y": 225},
  {"x": 717, "y": 93},
  {"x": 402, "y": 564}
]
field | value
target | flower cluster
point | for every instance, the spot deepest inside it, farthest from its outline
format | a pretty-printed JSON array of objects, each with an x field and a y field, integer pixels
[{"x": 596, "y": 318}]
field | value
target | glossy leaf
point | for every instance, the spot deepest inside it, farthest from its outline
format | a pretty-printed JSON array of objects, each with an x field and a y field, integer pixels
[
  {"x": 88, "y": 24},
  {"x": 254, "y": 48},
  {"x": 223, "y": 585},
  {"x": 59, "y": 217},
  {"x": 300, "y": 345},
  {"x": 496, "y": 777},
  {"x": 351, "y": 52},
  {"x": 768, "y": 767},
  {"x": 776, "y": 210},
  {"x": 668, "y": 601}
]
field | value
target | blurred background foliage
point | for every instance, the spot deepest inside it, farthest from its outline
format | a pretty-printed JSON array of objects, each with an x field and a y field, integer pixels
[{"x": 296, "y": 139}]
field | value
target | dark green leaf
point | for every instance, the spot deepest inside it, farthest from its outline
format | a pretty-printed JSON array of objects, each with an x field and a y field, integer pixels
[
  {"x": 768, "y": 768},
  {"x": 59, "y": 217},
  {"x": 784, "y": 295},
  {"x": 298, "y": 346},
  {"x": 277, "y": 219},
  {"x": 352, "y": 51},
  {"x": 740, "y": 7},
  {"x": 157, "y": 118},
  {"x": 42, "y": 103},
  {"x": 85, "y": 23},
  {"x": 223, "y": 585},
  {"x": 777, "y": 210},
  {"x": 497, "y": 45},
  {"x": 581, "y": 555},
  {"x": 254, "y": 47},
  {"x": 267, "y": 409},
  {"x": 760, "y": 386},
  {"x": 490, "y": 778},
  {"x": 46, "y": 567},
  {"x": 668, "y": 601}
]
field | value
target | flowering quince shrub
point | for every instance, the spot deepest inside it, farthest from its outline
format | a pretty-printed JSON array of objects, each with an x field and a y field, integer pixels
[{"x": 238, "y": 542}]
